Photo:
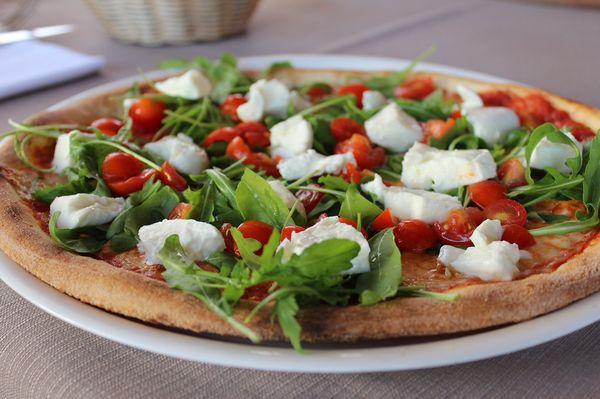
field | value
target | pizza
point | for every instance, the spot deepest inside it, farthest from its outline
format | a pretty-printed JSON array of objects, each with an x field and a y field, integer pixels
[{"x": 309, "y": 205}]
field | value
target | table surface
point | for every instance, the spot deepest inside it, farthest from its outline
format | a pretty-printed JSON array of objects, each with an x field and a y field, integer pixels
[{"x": 546, "y": 46}]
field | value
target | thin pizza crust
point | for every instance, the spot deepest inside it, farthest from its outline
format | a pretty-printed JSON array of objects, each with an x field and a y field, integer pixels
[{"x": 133, "y": 295}]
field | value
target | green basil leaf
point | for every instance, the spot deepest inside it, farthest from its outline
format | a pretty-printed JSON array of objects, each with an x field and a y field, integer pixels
[{"x": 286, "y": 308}]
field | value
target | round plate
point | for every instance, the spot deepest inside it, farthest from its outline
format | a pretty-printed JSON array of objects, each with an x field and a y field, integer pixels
[{"x": 403, "y": 355}]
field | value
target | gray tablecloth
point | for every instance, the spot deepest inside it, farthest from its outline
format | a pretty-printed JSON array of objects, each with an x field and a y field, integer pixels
[{"x": 551, "y": 47}]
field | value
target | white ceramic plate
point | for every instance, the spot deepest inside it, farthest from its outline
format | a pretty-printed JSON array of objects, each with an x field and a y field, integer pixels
[{"x": 401, "y": 355}]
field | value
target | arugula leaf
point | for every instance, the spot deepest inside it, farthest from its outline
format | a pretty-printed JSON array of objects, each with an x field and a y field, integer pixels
[
  {"x": 387, "y": 84},
  {"x": 81, "y": 240},
  {"x": 385, "y": 277},
  {"x": 554, "y": 135},
  {"x": 274, "y": 67},
  {"x": 256, "y": 200},
  {"x": 286, "y": 308},
  {"x": 355, "y": 204},
  {"x": 202, "y": 201},
  {"x": 326, "y": 258},
  {"x": 150, "y": 205},
  {"x": 334, "y": 182},
  {"x": 324, "y": 142},
  {"x": 247, "y": 248},
  {"x": 186, "y": 276}
]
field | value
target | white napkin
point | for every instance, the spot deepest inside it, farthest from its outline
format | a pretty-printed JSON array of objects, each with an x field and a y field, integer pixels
[{"x": 32, "y": 64}]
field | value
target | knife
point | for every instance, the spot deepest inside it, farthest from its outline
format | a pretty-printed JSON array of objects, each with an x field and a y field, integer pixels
[{"x": 46, "y": 31}]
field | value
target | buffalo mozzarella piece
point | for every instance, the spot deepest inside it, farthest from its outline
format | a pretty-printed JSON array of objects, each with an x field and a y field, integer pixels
[
  {"x": 373, "y": 99},
  {"x": 181, "y": 152},
  {"x": 288, "y": 198},
  {"x": 327, "y": 229},
  {"x": 489, "y": 259},
  {"x": 425, "y": 168},
  {"x": 407, "y": 204},
  {"x": 470, "y": 99},
  {"x": 393, "y": 129},
  {"x": 80, "y": 210},
  {"x": 311, "y": 162},
  {"x": 191, "y": 85},
  {"x": 265, "y": 97},
  {"x": 548, "y": 154},
  {"x": 492, "y": 124},
  {"x": 291, "y": 137},
  {"x": 62, "y": 150},
  {"x": 198, "y": 239}
]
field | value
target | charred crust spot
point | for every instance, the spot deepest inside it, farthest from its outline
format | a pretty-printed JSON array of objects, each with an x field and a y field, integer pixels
[{"x": 14, "y": 212}]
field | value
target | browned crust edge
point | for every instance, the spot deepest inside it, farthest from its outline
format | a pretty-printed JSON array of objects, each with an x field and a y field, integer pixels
[{"x": 123, "y": 292}]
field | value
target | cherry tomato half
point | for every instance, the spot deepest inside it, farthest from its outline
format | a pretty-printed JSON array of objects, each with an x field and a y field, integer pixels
[
  {"x": 356, "y": 89},
  {"x": 437, "y": 128},
  {"x": 238, "y": 149},
  {"x": 486, "y": 192},
  {"x": 230, "y": 106},
  {"x": 416, "y": 88},
  {"x": 414, "y": 236},
  {"x": 169, "y": 176},
  {"x": 459, "y": 226},
  {"x": 255, "y": 134},
  {"x": 343, "y": 128},
  {"x": 355, "y": 225},
  {"x": 512, "y": 173},
  {"x": 287, "y": 231},
  {"x": 367, "y": 156},
  {"x": 223, "y": 134},
  {"x": 146, "y": 116},
  {"x": 108, "y": 126},
  {"x": 309, "y": 198},
  {"x": 507, "y": 211},
  {"x": 319, "y": 91},
  {"x": 519, "y": 235},
  {"x": 125, "y": 174},
  {"x": 256, "y": 230},
  {"x": 258, "y": 292},
  {"x": 384, "y": 220},
  {"x": 181, "y": 211},
  {"x": 227, "y": 237}
]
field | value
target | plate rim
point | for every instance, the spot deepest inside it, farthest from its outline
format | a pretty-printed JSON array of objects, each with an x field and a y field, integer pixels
[{"x": 443, "y": 352}]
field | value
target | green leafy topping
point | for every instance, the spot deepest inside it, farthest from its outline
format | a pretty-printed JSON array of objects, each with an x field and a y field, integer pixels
[
  {"x": 385, "y": 276},
  {"x": 82, "y": 240},
  {"x": 355, "y": 204}
]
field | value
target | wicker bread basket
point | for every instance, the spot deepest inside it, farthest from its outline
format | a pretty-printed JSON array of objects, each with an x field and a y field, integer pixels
[{"x": 156, "y": 22}]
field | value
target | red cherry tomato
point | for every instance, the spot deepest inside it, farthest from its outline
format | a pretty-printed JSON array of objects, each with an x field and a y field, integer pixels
[
  {"x": 169, "y": 176},
  {"x": 255, "y": 134},
  {"x": 256, "y": 230},
  {"x": 582, "y": 133},
  {"x": 309, "y": 198},
  {"x": 181, "y": 211},
  {"x": 227, "y": 237},
  {"x": 238, "y": 149},
  {"x": 414, "y": 236},
  {"x": 486, "y": 192},
  {"x": 125, "y": 174},
  {"x": 459, "y": 225},
  {"x": 437, "y": 128},
  {"x": 512, "y": 173},
  {"x": 223, "y": 134},
  {"x": 230, "y": 106},
  {"x": 319, "y": 91},
  {"x": 416, "y": 88},
  {"x": 507, "y": 211},
  {"x": 108, "y": 126},
  {"x": 355, "y": 225},
  {"x": 258, "y": 292},
  {"x": 367, "y": 156},
  {"x": 287, "y": 231},
  {"x": 356, "y": 89},
  {"x": 384, "y": 220},
  {"x": 519, "y": 235},
  {"x": 146, "y": 116},
  {"x": 343, "y": 128},
  {"x": 352, "y": 174}
]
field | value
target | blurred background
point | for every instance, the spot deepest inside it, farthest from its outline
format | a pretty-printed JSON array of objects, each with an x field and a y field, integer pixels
[{"x": 551, "y": 46}]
